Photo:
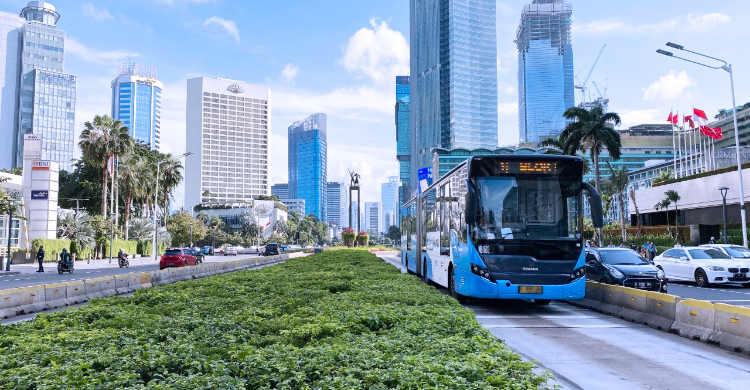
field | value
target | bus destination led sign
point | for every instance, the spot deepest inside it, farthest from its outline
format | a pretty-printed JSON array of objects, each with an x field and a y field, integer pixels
[{"x": 516, "y": 167}]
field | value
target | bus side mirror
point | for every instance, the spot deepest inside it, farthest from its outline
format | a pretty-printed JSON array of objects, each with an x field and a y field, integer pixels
[
  {"x": 595, "y": 201},
  {"x": 471, "y": 203}
]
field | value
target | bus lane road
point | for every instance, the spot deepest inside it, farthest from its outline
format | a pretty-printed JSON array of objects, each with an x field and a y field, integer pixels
[
  {"x": 588, "y": 350},
  {"x": 730, "y": 294}
]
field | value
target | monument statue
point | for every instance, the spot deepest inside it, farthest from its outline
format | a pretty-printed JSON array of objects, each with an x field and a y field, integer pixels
[{"x": 355, "y": 179}]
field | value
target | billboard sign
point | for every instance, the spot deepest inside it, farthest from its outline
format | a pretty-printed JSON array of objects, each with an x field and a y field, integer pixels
[
  {"x": 41, "y": 165},
  {"x": 39, "y": 195},
  {"x": 424, "y": 175}
]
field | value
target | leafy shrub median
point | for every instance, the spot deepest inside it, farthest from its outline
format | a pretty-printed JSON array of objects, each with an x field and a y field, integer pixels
[{"x": 336, "y": 320}]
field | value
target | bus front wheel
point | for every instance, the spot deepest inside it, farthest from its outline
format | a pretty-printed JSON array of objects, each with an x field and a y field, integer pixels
[{"x": 452, "y": 286}]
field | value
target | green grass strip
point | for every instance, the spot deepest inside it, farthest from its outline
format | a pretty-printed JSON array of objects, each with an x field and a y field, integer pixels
[{"x": 337, "y": 320}]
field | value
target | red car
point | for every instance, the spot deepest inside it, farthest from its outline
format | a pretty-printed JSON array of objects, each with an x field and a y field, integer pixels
[{"x": 177, "y": 257}]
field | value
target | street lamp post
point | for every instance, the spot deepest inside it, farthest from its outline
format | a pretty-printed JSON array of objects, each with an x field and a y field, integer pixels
[
  {"x": 724, "y": 210},
  {"x": 156, "y": 201},
  {"x": 728, "y": 68}
]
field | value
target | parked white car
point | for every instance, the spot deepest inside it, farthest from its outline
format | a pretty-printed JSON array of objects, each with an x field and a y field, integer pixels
[
  {"x": 230, "y": 251},
  {"x": 246, "y": 251},
  {"x": 736, "y": 252},
  {"x": 702, "y": 265}
]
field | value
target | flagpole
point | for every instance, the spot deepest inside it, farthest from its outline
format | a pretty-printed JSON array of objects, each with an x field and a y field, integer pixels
[{"x": 674, "y": 150}]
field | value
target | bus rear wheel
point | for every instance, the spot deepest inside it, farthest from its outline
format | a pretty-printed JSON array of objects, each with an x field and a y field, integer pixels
[
  {"x": 424, "y": 273},
  {"x": 452, "y": 286}
]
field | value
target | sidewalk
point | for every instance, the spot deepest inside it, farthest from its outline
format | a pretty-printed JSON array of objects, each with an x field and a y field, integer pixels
[{"x": 79, "y": 264}]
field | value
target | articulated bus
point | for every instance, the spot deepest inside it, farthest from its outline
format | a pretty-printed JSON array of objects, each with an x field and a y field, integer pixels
[{"x": 502, "y": 227}]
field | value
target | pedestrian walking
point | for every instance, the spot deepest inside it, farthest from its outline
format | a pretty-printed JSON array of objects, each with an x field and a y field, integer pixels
[
  {"x": 651, "y": 251},
  {"x": 712, "y": 241},
  {"x": 40, "y": 258},
  {"x": 633, "y": 247}
]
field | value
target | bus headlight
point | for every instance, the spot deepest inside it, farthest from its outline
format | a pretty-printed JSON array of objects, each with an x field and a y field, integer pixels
[
  {"x": 577, "y": 274},
  {"x": 482, "y": 272}
]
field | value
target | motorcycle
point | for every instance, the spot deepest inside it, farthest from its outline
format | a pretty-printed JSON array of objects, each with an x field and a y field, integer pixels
[
  {"x": 122, "y": 260},
  {"x": 65, "y": 267}
]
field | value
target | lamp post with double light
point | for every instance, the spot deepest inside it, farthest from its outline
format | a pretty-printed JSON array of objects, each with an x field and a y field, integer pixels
[
  {"x": 724, "y": 210},
  {"x": 728, "y": 68},
  {"x": 156, "y": 201}
]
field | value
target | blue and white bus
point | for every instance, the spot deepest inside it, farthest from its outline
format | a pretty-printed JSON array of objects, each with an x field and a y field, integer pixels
[{"x": 502, "y": 227}]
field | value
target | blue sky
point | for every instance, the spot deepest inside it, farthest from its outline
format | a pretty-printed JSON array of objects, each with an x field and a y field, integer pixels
[{"x": 340, "y": 57}]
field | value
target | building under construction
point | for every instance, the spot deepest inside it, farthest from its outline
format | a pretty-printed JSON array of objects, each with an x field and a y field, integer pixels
[{"x": 545, "y": 69}]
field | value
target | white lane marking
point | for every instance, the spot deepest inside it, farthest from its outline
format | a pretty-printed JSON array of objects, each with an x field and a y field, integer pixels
[
  {"x": 555, "y": 326},
  {"x": 716, "y": 289},
  {"x": 551, "y": 317}
]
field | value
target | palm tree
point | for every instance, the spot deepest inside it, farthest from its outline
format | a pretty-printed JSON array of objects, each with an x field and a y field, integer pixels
[
  {"x": 619, "y": 181},
  {"x": 77, "y": 227},
  {"x": 170, "y": 175},
  {"x": 101, "y": 138},
  {"x": 141, "y": 229},
  {"x": 215, "y": 225},
  {"x": 593, "y": 129},
  {"x": 131, "y": 178},
  {"x": 664, "y": 205},
  {"x": 673, "y": 197},
  {"x": 206, "y": 194},
  {"x": 202, "y": 216},
  {"x": 637, "y": 212}
]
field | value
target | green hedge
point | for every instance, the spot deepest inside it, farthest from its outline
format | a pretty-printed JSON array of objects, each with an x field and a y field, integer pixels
[
  {"x": 145, "y": 248},
  {"x": 55, "y": 246},
  {"x": 335, "y": 320},
  {"x": 130, "y": 246}
]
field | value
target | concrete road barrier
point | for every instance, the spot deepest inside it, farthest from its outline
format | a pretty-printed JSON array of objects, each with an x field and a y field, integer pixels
[
  {"x": 100, "y": 287},
  {"x": 9, "y": 303},
  {"x": 632, "y": 304},
  {"x": 139, "y": 281},
  {"x": 732, "y": 327},
  {"x": 178, "y": 274},
  {"x": 122, "y": 284},
  {"x": 694, "y": 319},
  {"x": 160, "y": 278},
  {"x": 76, "y": 292},
  {"x": 56, "y": 295},
  {"x": 660, "y": 310},
  {"x": 30, "y": 300}
]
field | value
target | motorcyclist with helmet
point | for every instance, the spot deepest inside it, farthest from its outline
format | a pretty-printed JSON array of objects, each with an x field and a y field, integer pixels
[{"x": 122, "y": 258}]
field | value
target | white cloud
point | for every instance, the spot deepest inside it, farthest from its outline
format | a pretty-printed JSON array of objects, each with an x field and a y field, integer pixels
[
  {"x": 289, "y": 73},
  {"x": 510, "y": 108},
  {"x": 98, "y": 14},
  {"x": 229, "y": 26},
  {"x": 670, "y": 86},
  {"x": 616, "y": 26},
  {"x": 638, "y": 117},
  {"x": 112, "y": 57},
  {"x": 379, "y": 53},
  {"x": 707, "y": 21}
]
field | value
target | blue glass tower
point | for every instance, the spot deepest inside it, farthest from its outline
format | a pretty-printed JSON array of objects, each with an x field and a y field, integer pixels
[
  {"x": 308, "y": 164},
  {"x": 545, "y": 69},
  {"x": 403, "y": 137},
  {"x": 453, "y": 76},
  {"x": 136, "y": 101}
]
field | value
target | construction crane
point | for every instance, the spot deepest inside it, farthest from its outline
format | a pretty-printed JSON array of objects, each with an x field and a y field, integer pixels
[
  {"x": 603, "y": 100},
  {"x": 582, "y": 86}
]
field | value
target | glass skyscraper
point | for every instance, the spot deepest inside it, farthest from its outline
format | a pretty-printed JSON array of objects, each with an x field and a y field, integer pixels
[
  {"x": 308, "y": 164},
  {"x": 453, "y": 76},
  {"x": 403, "y": 137},
  {"x": 136, "y": 101},
  {"x": 38, "y": 97},
  {"x": 389, "y": 197},
  {"x": 545, "y": 69}
]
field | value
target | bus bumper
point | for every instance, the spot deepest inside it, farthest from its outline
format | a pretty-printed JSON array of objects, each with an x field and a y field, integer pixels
[{"x": 472, "y": 285}]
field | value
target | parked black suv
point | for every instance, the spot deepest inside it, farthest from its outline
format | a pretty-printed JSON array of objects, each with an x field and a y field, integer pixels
[
  {"x": 623, "y": 267},
  {"x": 271, "y": 249}
]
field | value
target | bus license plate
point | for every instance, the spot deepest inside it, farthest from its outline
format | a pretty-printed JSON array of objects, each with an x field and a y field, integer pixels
[{"x": 529, "y": 289}]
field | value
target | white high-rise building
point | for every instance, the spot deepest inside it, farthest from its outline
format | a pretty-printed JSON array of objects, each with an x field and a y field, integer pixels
[
  {"x": 10, "y": 28},
  {"x": 373, "y": 217},
  {"x": 228, "y": 125},
  {"x": 337, "y": 210}
]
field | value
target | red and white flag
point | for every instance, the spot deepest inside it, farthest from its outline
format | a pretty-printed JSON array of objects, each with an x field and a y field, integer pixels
[
  {"x": 268, "y": 224},
  {"x": 670, "y": 117},
  {"x": 713, "y": 132},
  {"x": 688, "y": 119},
  {"x": 700, "y": 117},
  {"x": 111, "y": 164}
]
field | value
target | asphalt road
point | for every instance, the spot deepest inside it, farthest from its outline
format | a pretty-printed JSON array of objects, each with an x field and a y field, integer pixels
[
  {"x": 588, "y": 350},
  {"x": 29, "y": 277},
  {"x": 731, "y": 294}
]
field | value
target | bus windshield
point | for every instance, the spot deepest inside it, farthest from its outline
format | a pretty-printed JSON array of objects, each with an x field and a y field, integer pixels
[{"x": 528, "y": 208}]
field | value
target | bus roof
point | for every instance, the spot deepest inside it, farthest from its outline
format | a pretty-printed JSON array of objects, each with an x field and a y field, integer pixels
[{"x": 504, "y": 157}]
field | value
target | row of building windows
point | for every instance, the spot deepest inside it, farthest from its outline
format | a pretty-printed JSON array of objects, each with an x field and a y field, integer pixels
[
  {"x": 44, "y": 47},
  {"x": 53, "y": 38},
  {"x": 231, "y": 97}
]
